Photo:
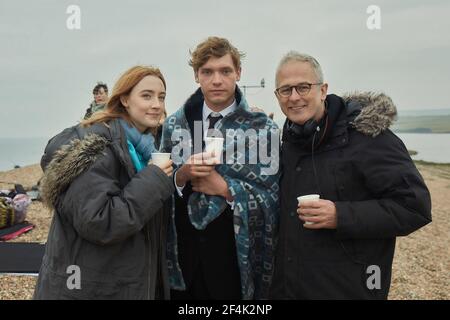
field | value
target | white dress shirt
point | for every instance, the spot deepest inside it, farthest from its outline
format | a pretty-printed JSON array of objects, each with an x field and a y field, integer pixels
[{"x": 205, "y": 118}]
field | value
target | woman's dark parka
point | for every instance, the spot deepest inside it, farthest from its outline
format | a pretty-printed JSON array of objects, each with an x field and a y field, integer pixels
[{"x": 109, "y": 222}]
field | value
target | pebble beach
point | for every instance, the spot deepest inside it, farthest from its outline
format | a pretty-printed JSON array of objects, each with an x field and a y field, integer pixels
[{"x": 421, "y": 269}]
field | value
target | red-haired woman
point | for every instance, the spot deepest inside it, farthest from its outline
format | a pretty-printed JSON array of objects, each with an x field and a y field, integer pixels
[{"x": 107, "y": 237}]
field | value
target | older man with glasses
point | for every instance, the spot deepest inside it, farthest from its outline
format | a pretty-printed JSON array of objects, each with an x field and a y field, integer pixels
[{"x": 363, "y": 187}]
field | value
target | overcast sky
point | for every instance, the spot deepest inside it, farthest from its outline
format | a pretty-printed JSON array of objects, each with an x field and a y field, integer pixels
[{"x": 47, "y": 71}]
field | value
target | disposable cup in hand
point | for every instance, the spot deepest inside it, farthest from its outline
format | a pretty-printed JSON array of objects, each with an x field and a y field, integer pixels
[
  {"x": 160, "y": 159},
  {"x": 308, "y": 197},
  {"x": 214, "y": 145}
]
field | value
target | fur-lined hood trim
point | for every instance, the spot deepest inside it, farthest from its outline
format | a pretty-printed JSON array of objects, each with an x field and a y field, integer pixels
[
  {"x": 374, "y": 112},
  {"x": 68, "y": 163}
]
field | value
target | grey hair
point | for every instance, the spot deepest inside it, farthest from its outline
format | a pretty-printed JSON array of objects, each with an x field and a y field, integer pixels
[{"x": 300, "y": 57}]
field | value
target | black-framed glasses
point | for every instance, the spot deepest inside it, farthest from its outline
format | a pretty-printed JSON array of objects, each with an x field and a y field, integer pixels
[{"x": 301, "y": 88}]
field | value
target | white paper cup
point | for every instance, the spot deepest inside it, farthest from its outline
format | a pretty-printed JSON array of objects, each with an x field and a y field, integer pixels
[
  {"x": 308, "y": 197},
  {"x": 213, "y": 144},
  {"x": 159, "y": 159}
]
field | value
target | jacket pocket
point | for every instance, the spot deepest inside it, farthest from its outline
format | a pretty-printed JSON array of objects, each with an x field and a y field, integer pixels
[
  {"x": 349, "y": 183},
  {"x": 92, "y": 290}
]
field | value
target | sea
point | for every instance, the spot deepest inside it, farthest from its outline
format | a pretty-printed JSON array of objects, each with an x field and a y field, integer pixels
[
  {"x": 432, "y": 147},
  {"x": 21, "y": 151}
]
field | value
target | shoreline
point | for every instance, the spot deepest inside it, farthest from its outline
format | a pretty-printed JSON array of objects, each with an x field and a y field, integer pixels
[{"x": 417, "y": 162}]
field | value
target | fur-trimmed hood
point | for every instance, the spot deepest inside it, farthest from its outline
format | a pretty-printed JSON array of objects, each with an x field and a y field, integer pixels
[
  {"x": 372, "y": 112},
  {"x": 74, "y": 150},
  {"x": 68, "y": 163}
]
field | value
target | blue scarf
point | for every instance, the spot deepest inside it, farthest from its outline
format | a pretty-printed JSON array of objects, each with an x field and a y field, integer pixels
[
  {"x": 256, "y": 200},
  {"x": 140, "y": 145}
]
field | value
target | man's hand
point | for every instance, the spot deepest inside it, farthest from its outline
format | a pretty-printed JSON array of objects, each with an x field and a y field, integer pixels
[
  {"x": 213, "y": 184},
  {"x": 197, "y": 166},
  {"x": 321, "y": 212}
]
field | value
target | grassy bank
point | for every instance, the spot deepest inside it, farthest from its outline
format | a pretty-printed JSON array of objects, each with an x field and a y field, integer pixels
[
  {"x": 422, "y": 124},
  {"x": 432, "y": 164}
]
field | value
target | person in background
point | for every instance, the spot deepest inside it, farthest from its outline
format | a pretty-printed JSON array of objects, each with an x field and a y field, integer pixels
[
  {"x": 110, "y": 205},
  {"x": 100, "y": 93}
]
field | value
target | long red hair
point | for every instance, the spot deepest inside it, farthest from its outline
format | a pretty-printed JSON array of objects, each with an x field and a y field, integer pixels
[{"x": 114, "y": 107}]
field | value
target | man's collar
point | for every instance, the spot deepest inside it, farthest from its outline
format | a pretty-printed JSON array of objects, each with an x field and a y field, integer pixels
[{"x": 207, "y": 110}]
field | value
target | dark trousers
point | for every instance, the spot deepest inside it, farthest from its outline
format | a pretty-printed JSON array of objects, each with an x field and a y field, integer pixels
[{"x": 207, "y": 258}]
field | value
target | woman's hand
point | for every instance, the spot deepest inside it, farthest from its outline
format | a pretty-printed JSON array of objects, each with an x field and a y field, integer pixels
[{"x": 166, "y": 167}]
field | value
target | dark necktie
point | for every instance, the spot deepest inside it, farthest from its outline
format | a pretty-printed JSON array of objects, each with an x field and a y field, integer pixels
[{"x": 213, "y": 118}]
